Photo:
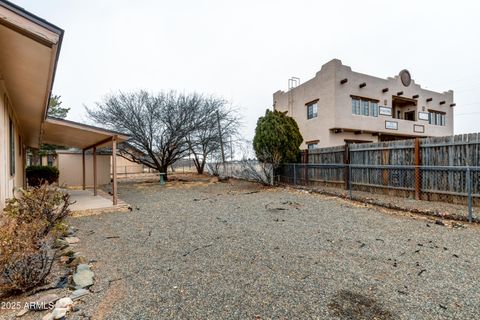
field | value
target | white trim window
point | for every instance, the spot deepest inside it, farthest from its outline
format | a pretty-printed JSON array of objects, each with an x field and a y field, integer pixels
[
  {"x": 374, "y": 109},
  {"x": 312, "y": 110},
  {"x": 436, "y": 118},
  {"x": 312, "y": 146},
  {"x": 356, "y": 106},
  {"x": 364, "y": 107}
]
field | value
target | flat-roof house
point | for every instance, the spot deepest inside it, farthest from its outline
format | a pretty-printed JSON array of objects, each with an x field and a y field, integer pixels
[
  {"x": 29, "y": 52},
  {"x": 341, "y": 106}
]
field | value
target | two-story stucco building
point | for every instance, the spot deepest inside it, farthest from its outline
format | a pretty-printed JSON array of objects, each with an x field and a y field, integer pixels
[{"x": 341, "y": 106}]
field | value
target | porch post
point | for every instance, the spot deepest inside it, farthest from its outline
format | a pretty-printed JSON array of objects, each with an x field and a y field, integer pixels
[
  {"x": 114, "y": 169},
  {"x": 83, "y": 169},
  {"x": 94, "y": 171}
]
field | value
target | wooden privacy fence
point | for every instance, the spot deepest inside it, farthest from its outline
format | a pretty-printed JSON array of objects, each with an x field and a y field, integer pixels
[{"x": 439, "y": 168}]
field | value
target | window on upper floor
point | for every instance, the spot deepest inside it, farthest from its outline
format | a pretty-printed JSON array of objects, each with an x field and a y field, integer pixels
[
  {"x": 436, "y": 118},
  {"x": 364, "y": 107},
  {"x": 374, "y": 109},
  {"x": 312, "y": 146},
  {"x": 312, "y": 109}
]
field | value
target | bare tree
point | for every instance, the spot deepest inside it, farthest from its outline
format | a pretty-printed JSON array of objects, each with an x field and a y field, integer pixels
[
  {"x": 215, "y": 122},
  {"x": 158, "y": 125}
]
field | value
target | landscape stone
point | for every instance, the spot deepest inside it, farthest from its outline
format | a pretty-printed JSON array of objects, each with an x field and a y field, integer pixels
[
  {"x": 83, "y": 266},
  {"x": 84, "y": 277},
  {"x": 60, "y": 244},
  {"x": 78, "y": 293},
  {"x": 67, "y": 252},
  {"x": 64, "y": 303},
  {"x": 78, "y": 261},
  {"x": 59, "y": 313},
  {"x": 22, "y": 313},
  {"x": 72, "y": 240},
  {"x": 71, "y": 231}
]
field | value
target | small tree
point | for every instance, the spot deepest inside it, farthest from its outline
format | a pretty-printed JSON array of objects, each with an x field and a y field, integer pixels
[
  {"x": 277, "y": 139},
  {"x": 158, "y": 124},
  {"x": 215, "y": 121},
  {"x": 55, "y": 108}
]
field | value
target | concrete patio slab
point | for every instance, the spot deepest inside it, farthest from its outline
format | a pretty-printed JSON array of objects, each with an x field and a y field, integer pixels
[{"x": 85, "y": 200}]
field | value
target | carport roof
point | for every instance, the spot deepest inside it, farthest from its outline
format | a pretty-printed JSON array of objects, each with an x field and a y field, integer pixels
[
  {"x": 29, "y": 51},
  {"x": 74, "y": 134}
]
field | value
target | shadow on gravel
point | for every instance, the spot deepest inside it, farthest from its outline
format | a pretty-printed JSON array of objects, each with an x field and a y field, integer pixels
[{"x": 349, "y": 305}]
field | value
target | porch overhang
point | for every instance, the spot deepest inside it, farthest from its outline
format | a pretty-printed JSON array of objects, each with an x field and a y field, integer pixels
[
  {"x": 29, "y": 51},
  {"x": 73, "y": 134}
]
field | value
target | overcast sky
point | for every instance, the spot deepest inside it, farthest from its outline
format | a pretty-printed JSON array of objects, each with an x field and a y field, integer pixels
[{"x": 246, "y": 50}]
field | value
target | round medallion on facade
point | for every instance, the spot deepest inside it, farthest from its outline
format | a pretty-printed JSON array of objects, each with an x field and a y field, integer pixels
[{"x": 405, "y": 77}]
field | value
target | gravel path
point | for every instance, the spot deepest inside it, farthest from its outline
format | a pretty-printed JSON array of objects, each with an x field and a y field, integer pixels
[{"x": 237, "y": 251}]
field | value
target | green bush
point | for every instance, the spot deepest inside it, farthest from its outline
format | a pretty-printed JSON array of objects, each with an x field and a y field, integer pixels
[
  {"x": 37, "y": 175},
  {"x": 277, "y": 139},
  {"x": 28, "y": 226}
]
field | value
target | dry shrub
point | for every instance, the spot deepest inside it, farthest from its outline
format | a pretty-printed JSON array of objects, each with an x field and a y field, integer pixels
[
  {"x": 28, "y": 226},
  {"x": 46, "y": 205}
]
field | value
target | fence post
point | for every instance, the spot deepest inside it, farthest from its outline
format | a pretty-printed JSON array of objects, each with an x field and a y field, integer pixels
[
  {"x": 469, "y": 191},
  {"x": 346, "y": 170},
  {"x": 417, "y": 163},
  {"x": 294, "y": 174},
  {"x": 272, "y": 178},
  {"x": 305, "y": 164},
  {"x": 349, "y": 168}
]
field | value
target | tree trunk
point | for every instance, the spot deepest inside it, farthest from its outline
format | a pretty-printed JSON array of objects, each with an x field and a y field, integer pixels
[
  {"x": 201, "y": 169},
  {"x": 164, "y": 169},
  {"x": 197, "y": 165}
]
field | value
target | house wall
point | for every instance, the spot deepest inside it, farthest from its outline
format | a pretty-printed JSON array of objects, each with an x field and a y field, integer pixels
[
  {"x": 70, "y": 168},
  {"x": 335, "y": 107},
  {"x": 9, "y": 182},
  {"x": 322, "y": 88},
  {"x": 125, "y": 166}
]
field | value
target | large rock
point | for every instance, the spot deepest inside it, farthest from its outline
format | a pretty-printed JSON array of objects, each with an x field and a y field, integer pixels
[
  {"x": 60, "y": 244},
  {"x": 67, "y": 252},
  {"x": 64, "y": 303},
  {"x": 22, "y": 313},
  {"x": 83, "y": 278},
  {"x": 71, "y": 231},
  {"x": 83, "y": 266},
  {"x": 72, "y": 240},
  {"x": 77, "y": 261},
  {"x": 77, "y": 294},
  {"x": 59, "y": 313}
]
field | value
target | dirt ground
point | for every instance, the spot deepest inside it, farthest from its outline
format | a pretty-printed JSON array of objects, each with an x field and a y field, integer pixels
[{"x": 196, "y": 248}]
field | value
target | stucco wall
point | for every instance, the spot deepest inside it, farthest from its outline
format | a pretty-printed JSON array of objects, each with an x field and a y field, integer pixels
[
  {"x": 70, "y": 167},
  {"x": 335, "y": 106},
  {"x": 125, "y": 166},
  {"x": 9, "y": 182},
  {"x": 322, "y": 88},
  {"x": 373, "y": 90}
]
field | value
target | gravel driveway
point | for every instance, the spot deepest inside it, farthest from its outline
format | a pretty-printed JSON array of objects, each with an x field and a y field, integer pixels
[{"x": 238, "y": 251}]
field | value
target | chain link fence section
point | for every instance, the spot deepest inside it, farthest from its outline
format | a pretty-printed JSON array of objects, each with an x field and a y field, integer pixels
[{"x": 453, "y": 184}]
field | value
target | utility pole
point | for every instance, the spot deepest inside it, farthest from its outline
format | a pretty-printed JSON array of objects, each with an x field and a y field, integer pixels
[{"x": 221, "y": 139}]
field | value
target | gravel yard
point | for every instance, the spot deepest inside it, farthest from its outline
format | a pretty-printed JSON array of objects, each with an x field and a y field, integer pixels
[{"x": 238, "y": 251}]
